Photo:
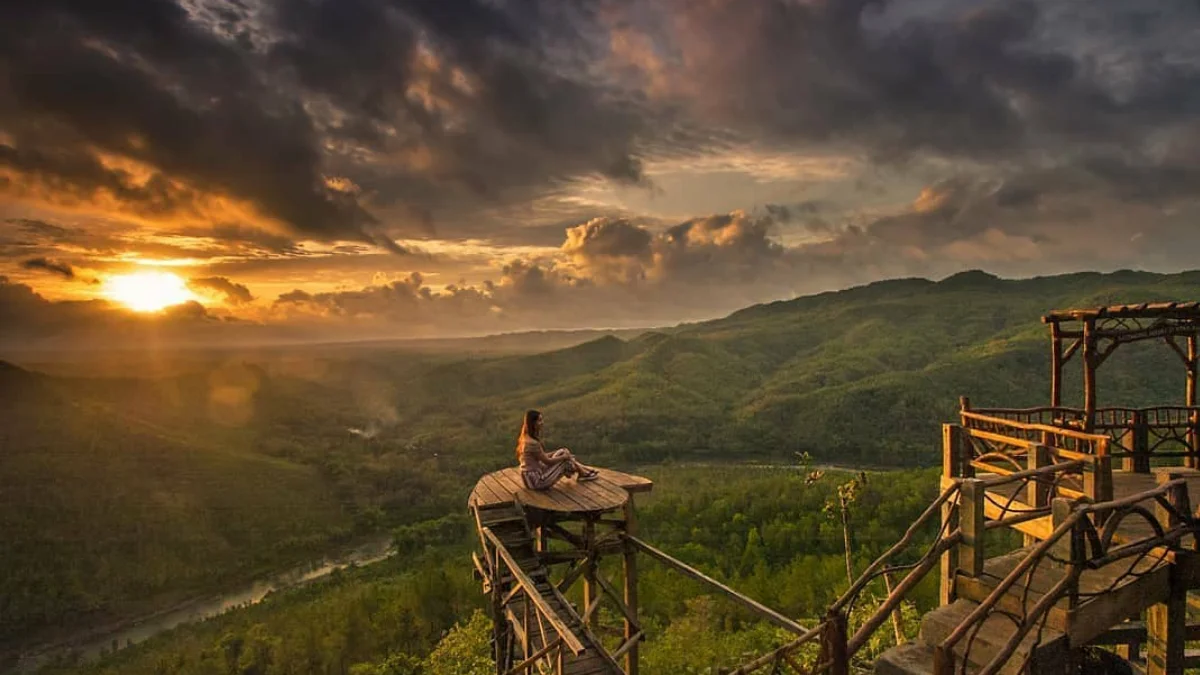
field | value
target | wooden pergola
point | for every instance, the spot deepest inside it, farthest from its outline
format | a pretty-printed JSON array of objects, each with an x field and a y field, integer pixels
[{"x": 1098, "y": 332}]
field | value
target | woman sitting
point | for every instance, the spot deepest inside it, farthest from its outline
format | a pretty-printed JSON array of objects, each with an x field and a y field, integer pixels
[{"x": 541, "y": 470}]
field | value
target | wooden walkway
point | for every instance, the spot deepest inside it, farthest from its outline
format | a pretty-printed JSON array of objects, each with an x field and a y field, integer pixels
[{"x": 608, "y": 492}]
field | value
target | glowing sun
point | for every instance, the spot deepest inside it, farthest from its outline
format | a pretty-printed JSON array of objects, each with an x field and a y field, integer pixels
[{"x": 147, "y": 291}]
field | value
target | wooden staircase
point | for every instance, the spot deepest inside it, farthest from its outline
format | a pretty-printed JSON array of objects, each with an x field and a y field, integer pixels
[
  {"x": 1106, "y": 596},
  {"x": 538, "y": 623},
  {"x": 1044, "y": 653}
]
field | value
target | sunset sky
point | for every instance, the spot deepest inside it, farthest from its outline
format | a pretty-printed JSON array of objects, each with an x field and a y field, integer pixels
[{"x": 352, "y": 169}]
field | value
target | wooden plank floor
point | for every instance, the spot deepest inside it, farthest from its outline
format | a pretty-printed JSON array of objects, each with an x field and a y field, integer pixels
[
  {"x": 1125, "y": 484},
  {"x": 608, "y": 492}
]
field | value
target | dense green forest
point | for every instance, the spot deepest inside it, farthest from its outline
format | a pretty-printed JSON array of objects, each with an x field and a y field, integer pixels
[
  {"x": 132, "y": 481},
  {"x": 765, "y": 532}
]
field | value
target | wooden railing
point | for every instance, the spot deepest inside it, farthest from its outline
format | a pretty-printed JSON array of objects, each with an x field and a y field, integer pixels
[
  {"x": 1135, "y": 434},
  {"x": 1075, "y": 531},
  {"x": 533, "y": 612},
  {"x": 1076, "y": 541},
  {"x": 963, "y": 512},
  {"x": 988, "y": 444}
]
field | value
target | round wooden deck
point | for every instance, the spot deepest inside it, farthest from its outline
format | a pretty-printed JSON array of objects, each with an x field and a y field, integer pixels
[{"x": 608, "y": 492}]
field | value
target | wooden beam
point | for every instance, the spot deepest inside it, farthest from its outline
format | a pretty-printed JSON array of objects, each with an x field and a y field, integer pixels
[
  {"x": 1089, "y": 375},
  {"x": 954, "y": 462},
  {"x": 630, "y": 589},
  {"x": 1037, "y": 493},
  {"x": 1072, "y": 348},
  {"x": 953, "y": 465},
  {"x": 524, "y": 665},
  {"x": 1193, "y": 434},
  {"x": 971, "y": 514},
  {"x": 589, "y": 574},
  {"x": 693, "y": 573},
  {"x": 1166, "y": 628},
  {"x": 612, "y": 594},
  {"x": 566, "y": 535},
  {"x": 630, "y": 643},
  {"x": 1056, "y": 365},
  {"x": 1103, "y": 354},
  {"x": 1170, "y": 340},
  {"x": 572, "y": 575}
]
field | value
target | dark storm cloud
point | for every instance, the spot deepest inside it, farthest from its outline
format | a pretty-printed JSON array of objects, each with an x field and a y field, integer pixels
[
  {"x": 451, "y": 99},
  {"x": 141, "y": 80},
  {"x": 972, "y": 80},
  {"x": 461, "y": 98},
  {"x": 234, "y": 293},
  {"x": 358, "y": 118},
  {"x": 52, "y": 266}
]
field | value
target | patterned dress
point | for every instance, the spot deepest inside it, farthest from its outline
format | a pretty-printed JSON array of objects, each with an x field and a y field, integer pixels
[{"x": 538, "y": 475}]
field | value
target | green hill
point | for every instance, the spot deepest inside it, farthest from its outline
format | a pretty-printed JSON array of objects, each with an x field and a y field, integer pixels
[{"x": 864, "y": 375}]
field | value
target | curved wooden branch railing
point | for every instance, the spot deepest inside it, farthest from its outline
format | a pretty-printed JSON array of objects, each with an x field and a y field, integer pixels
[
  {"x": 1161, "y": 431},
  {"x": 1073, "y": 531}
]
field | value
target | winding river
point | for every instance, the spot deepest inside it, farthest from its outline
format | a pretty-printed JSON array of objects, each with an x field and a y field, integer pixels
[{"x": 91, "y": 644}]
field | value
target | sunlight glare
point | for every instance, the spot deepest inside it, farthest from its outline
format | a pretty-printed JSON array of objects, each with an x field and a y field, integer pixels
[{"x": 147, "y": 291}]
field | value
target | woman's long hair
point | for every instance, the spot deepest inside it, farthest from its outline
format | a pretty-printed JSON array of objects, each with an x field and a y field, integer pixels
[{"x": 528, "y": 428}]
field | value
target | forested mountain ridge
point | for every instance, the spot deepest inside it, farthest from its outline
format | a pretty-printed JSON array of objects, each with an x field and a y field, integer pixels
[
  {"x": 864, "y": 375},
  {"x": 189, "y": 470}
]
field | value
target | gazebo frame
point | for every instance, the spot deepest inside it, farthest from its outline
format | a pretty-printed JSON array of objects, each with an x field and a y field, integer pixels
[{"x": 1096, "y": 334}]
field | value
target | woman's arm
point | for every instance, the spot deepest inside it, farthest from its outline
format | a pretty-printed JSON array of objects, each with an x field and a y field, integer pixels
[{"x": 547, "y": 458}]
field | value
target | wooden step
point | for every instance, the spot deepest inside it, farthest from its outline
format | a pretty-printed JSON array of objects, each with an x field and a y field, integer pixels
[
  {"x": 1045, "y": 653},
  {"x": 1107, "y": 595},
  {"x": 911, "y": 659}
]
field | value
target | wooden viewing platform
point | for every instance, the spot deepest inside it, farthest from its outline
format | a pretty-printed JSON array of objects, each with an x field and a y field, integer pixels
[
  {"x": 608, "y": 492},
  {"x": 525, "y": 535},
  {"x": 1099, "y": 498}
]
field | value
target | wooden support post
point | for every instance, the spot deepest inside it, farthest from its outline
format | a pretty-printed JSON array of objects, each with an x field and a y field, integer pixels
[
  {"x": 833, "y": 645},
  {"x": 1037, "y": 493},
  {"x": 971, "y": 552},
  {"x": 1136, "y": 439},
  {"x": 1179, "y": 499},
  {"x": 1089, "y": 375},
  {"x": 499, "y": 621},
  {"x": 631, "y": 589},
  {"x": 1166, "y": 626},
  {"x": 952, "y": 467},
  {"x": 1061, "y": 551},
  {"x": 589, "y": 574},
  {"x": 1193, "y": 434},
  {"x": 1056, "y": 365},
  {"x": 1098, "y": 480}
]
